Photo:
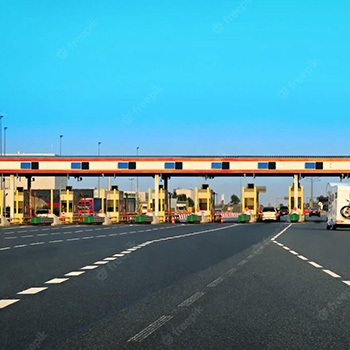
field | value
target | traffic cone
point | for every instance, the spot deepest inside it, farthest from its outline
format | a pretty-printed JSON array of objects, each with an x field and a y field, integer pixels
[
  {"x": 222, "y": 220},
  {"x": 173, "y": 220}
]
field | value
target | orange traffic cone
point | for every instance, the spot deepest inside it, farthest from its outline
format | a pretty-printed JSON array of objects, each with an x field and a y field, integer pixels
[
  {"x": 222, "y": 220},
  {"x": 173, "y": 220}
]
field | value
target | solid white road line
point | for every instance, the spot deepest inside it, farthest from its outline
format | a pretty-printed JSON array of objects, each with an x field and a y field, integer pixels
[
  {"x": 278, "y": 234},
  {"x": 33, "y": 290},
  {"x": 7, "y": 302},
  {"x": 331, "y": 273},
  {"x": 74, "y": 273},
  {"x": 57, "y": 280}
]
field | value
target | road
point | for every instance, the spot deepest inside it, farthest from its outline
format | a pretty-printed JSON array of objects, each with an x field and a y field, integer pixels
[{"x": 211, "y": 286}]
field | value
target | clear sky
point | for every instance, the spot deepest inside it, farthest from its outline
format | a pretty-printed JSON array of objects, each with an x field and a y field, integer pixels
[{"x": 176, "y": 77}]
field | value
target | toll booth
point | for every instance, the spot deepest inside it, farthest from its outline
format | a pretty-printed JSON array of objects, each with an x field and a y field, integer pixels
[
  {"x": 161, "y": 208},
  {"x": 300, "y": 204},
  {"x": 114, "y": 203},
  {"x": 205, "y": 201},
  {"x": 250, "y": 199},
  {"x": 66, "y": 204},
  {"x": 19, "y": 206}
]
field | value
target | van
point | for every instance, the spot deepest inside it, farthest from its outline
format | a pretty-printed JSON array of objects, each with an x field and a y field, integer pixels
[{"x": 338, "y": 214}]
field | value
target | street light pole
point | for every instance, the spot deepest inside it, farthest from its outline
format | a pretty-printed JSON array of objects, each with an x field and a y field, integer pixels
[
  {"x": 5, "y": 128},
  {"x": 61, "y": 144},
  {"x": 99, "y": 184},
  {"x": 137, "y": 184}
]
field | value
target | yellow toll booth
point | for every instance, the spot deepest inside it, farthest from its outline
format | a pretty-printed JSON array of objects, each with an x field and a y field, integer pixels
[
  {"x": 19, "y": 206},
  {"x": 66, "y": 207},
  {"x": 300, "y": 204},
  {"x": 250, "y": 198},
  {"x": 114, "y": 202},
  {"x": 205, "y": 201},
  {"x": 161, "y": 208}
]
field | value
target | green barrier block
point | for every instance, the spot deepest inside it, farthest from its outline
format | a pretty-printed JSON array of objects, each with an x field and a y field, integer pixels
[
  {"x": 191, "y": 218},
  {"x": 294, "y": 217},
  {"x": 243, "y": 218},
  {"x": 88, "y": 220},
  {"x": 140, "y": 219},
  {"x": 35, "y": 220}
]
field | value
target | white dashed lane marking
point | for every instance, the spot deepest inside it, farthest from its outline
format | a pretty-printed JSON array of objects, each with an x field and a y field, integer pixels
[
  {"x": 89, "y": 267},
  {"x": 7, "y": 302},
  {"x": 74, "y": 273},
  {"x": 33, "y": 290},
  {"x": 315, "y": 264},
  {"x": 57, "y": 280},
  {"x": 331, "y": 273}
]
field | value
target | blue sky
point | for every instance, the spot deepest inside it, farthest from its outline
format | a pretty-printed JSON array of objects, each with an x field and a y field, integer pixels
[{"x": 230, "y": 77}]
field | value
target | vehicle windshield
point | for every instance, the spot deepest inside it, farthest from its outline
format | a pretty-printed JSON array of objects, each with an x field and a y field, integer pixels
[{"x": 267, "y": 209}]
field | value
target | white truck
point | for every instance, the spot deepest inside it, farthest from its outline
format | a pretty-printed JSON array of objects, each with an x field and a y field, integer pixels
[{"x": 339, "y": 205}]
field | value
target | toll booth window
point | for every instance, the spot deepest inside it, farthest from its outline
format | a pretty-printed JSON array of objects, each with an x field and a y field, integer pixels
[
  {"x": 226, "y": 165},
  {"x": 310, "y": 165},
  {"x": 272, "y": 165},
  {"x": 123, "y": 165},
  {"x": 35, "y": 165},
  {"x": 25, "y": 165},
  {"x": 263, "y": 165},
  {"x": 178, "y": 165},
  {"x": 319, "y": 165},
  {"x": 216, "y": 165},
  {"x": 75, "y": 165},
  {"x": 85, "y": 165},
  {"x": 169, "y": 165},
  {"x": 132, "y": 165}
]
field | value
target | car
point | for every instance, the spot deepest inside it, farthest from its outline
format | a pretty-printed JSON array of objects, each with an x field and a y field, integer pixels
[
  {"x": 270, "y": 213},
  {"x": 42, "y": 212},
  {"x": 284, "y": 210},
  {"x": 314, "y": 212}
]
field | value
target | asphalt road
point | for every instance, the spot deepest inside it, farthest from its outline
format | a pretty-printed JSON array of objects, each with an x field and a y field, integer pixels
[{"x": 213, "y": 286}]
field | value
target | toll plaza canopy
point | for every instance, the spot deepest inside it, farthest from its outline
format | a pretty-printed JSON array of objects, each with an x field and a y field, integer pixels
[{"x": 175, "y": 165}]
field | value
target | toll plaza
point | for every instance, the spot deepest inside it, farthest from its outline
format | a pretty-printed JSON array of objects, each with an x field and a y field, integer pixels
[
  {"x": 204, "y": 205},
  {"x": 161, "y": 203},
  {"x": 250, "y": 201},
  {"x": 114, "y": 203}
]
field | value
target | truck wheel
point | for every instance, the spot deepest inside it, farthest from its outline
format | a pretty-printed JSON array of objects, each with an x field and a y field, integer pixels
[
  {"x": 328, "y": 227},
  {"x": 334, "y": 227}
]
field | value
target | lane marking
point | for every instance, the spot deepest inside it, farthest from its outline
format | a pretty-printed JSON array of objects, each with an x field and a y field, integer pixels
[
  {"x": 41, "y": 234},
  {"x": 294, "y": 252},
  {"x": 89, "y": 267},
  {"x": 27, "y": 236},
  {"x": 10, "y": 237},
  {"x": 244, "y": 261},
  {"x": 33, "y": 290},
  {"x": 90, "y": 229},
  {"x": 78, "y": 231},
  {"x": 36, "y": 243},
  {"x": 118, "y": 255},
  {"x": 72, "y": 239},
  {"x": 331, "y": 273},
  {"x": 215, "y": 282},
  {"x": 101, "y": 262},
  {"x": 278, "y": 234},
  {"x": 20, "y": 246},
  {"x": 74, "y": 273},
  {"x": 56, "y": 241},
  {"x": 113, "y": 234},
  {"x": 285, "y": 247},
  {"x": 125, "y": 252},
  {"x": 5, "y": 248},
  {"x": 88, "y": 237},
  {"x": 315, "y": 264},
  {"x": 347, "y": 282},
  {"x": 110, "y": 259},
  {"x": 7, "y": 302},
  {"x": 191, "y": 299},
  {"x": 302, "y": 257},
  {"x": 150, "y": 329},
  {"x": 57, "y": 280},
  {"x": 99, "y": 236}
]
